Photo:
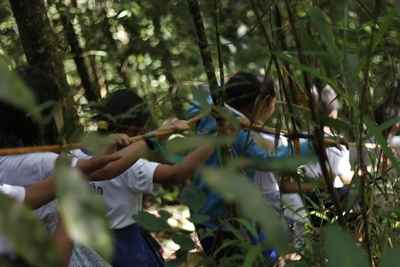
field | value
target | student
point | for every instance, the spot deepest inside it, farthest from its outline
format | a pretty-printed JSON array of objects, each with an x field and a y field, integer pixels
[
  {"x": 253, "y": 99},
  {"x": 125, "y": 112},
  {"x": 18, "y": 129},
  {"x": 339, "y": 165},
  {"x": 338, "y": 156}
]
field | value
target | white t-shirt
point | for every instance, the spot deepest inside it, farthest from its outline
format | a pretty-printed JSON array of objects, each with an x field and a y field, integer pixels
[
  {"x": 15, "y": 192},
  {"x": 339, "y": 161},
  {"x": 24, "y": 170},
  {"x": 123, "y": 195}
]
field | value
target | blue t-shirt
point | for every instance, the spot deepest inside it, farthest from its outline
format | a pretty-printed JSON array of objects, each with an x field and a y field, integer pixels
[{"x": 244, "y": 146}]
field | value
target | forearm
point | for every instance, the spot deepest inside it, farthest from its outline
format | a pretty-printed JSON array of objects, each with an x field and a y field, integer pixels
[
  {"x": 179, "y": 173},
  {"x": 63, "y": 243},
  {"x": 40, "y": 193},
  {"x": 126, "y": 158},
  {"x": 192, "y": 162}
]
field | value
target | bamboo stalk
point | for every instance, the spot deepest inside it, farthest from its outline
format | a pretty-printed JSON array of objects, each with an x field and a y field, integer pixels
[
  {"x": 205, "y": 52},
  {"x": 319, "y": 145}
]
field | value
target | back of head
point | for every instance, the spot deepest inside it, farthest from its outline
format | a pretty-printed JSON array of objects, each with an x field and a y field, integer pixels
[
  {"x": 243, "y": 89},
  {"x": 123, "y": 109},
  {"x": 327, "y": 99}
]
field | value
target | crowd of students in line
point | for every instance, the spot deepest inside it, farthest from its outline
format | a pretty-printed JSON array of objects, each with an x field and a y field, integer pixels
[{"x": 126, "y": 171}]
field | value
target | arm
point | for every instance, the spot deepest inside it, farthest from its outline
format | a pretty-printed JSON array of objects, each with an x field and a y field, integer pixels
[
  {"x": 245, "y": 142},
  {"x": 179, "y": 173},
  {"x": 63, "y": 243},
  {"x": 126, "y": 158},
  {"x": 293, "y": 187},
  {"x": 88, "y": 166}
]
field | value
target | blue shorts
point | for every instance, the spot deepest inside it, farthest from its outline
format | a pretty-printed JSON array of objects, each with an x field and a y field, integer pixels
[{"x": 134, "y": 249}]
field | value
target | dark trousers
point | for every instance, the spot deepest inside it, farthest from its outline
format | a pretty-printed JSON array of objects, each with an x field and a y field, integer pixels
[{"x": 133, "y": 248}]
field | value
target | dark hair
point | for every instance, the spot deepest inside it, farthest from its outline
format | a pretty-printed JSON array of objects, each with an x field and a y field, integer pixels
[
  {"x": 17, "y": 127},
  {"x": 123, "y": 109},
  {"x": 243, "y": 89},
  {"x": 390, "y": 107}
]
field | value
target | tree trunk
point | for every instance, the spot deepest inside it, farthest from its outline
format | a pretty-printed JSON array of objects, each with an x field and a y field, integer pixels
[
  {"x": 40, "y": 46},
  {"x": 92, "y": 90}
]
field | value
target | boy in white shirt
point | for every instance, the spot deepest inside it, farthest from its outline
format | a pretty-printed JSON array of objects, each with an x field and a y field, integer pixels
[
  {"x": 125, "y": 112},
  {"x": 18, "y": 129}
]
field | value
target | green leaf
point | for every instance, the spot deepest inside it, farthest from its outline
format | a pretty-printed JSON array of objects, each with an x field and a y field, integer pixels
[
  {"x": 193, "y": 198},
  {"x": 151, "y": 222},
  {"x": 390, "y": 257},
  {"x": 374, "y": 130},
  {"x": 184, "y": 241},
  {"x": 198, "y": 218},
  {"x": 83, "y": 211},
  {"x": 316, "y": 73},
  {"x": 282, "y": 166},
  {"x": 338, "y": 9},
  {"x": 341, "y": 249},
  {"x": 251, "y": 256},
  {"x": 96, "y": 143},
  {"x": 237, "y": 188},
  {"x": 320, "y": 22},
  {"x": 27, "y": 235},
  {"x": 14, "y": 92}
]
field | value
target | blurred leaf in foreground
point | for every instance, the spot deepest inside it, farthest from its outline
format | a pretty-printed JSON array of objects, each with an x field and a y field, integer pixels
[
  {"x": 390, "y": 257},
  {"x": 13, "y": 91},
  {"x": 342, "y": 250},
  {"x": 28, "y": 237},
  {"x": 83, "y": 212},
  {"x": 237, "y": 188}
]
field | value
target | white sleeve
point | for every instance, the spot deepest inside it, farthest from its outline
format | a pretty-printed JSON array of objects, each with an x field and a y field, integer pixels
[
  {"x": 47, "y": 164},
  {"x": 74, "y": 162},
  {"x": 140, "y": 176},
  {"x": 15, "y": 192},
  {"x": 340, "y": 162}
]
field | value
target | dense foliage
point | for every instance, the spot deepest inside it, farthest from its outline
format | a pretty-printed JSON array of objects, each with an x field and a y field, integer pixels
[{"x": 152, "y": 47}]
